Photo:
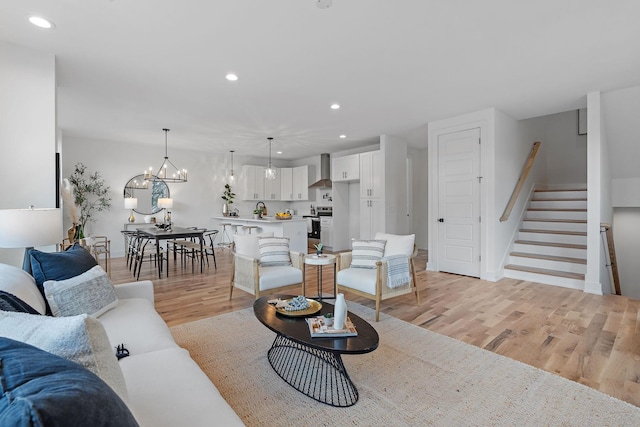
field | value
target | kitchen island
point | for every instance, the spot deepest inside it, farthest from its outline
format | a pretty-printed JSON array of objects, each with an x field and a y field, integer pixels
[{"x": 295, "y": 228}]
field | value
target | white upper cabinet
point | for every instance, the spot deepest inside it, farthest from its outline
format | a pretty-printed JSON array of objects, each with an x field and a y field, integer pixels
[
  {"x": 272, "y": 190},
  {"x": 286, "y": 183},
  {"x": 252, "y": 182},
  {"x": 345, "y": 169},
  {"x": 301, "y": 183},
  {"x": 371, "y": 175}
]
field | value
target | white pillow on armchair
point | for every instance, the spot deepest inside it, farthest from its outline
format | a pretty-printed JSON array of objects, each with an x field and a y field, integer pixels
[{"x": 397, "y": 244}]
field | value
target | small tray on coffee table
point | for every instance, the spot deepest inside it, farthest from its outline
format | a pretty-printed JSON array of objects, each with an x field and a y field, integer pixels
[{"x": 314, "y": 307}]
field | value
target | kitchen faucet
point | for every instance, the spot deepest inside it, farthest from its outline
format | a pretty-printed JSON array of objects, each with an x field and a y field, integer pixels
[{"x": 262, "y": 208}]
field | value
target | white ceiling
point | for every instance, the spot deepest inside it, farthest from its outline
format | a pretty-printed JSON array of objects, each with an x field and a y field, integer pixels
[{"x": 126, "y": 69}]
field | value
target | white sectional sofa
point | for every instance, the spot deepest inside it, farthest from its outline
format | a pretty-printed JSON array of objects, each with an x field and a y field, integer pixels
[{"x": 165, "y": 386}]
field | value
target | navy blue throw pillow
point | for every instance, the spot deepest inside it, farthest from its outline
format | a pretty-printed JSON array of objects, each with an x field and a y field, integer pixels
[
  {"x": 60, "y": 265},
  {"x": 41, "y": 389},
  {"x": 10, "y": 302}
]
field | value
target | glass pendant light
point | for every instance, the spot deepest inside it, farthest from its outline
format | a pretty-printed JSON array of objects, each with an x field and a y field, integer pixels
[{"x": 270, "y": 172}]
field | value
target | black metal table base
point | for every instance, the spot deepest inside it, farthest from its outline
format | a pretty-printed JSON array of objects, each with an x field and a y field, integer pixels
[{"x": 319, "y": 374}]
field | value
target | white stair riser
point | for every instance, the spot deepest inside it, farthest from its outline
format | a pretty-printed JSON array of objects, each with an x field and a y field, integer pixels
[
  {"x": 556, "y": 214},
  {"x": 569, "y": 267},
  {"x": 561, "y": 205},
  {"x": 542, "y": 278},
  {"x": 560, "y": 226},
  {"x": 553, "y": 238},
  {"x": 550, "y": 250},
  {"x": 548, "y": 195}
]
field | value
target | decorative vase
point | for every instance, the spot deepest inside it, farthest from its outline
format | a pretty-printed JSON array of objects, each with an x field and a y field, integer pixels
[
  {"x": 319, "y": 252},
  {"x": 71, "y": 232},
  {"x": 79, "y": 233},
  {"x": 225, "y": 209},
  {"x": 147, "y": 219},
  {"x": 339, "y": 312}
]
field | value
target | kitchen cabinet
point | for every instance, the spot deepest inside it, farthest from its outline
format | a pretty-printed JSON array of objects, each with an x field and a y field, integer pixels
[
  {"x": 371, "y": 175},
  {"x": 272, "y": 190},
  {"x": 371, "y": 217},
  {"x": 301, "y": 183},
  {"x": 345, "y": 169},
  {"x": 252, "y": 182},
  {"x": 286, "y": 183},
  {"x": 326, "y": 231}
]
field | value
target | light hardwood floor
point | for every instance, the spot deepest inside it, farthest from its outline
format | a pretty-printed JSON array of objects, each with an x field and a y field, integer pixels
[{"x": 591, "y": 339}]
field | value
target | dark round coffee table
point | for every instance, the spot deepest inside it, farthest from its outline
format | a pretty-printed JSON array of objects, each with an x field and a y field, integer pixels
[{"x": 313, "y": 366}]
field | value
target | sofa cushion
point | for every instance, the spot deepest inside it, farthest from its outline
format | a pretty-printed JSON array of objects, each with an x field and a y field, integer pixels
[
  {"x": 247, "y": 244},
  {"x": 60, "y": 265},
  {"x": 365, "y": 253},
  {"x": 136, "y": 324},
  {"x": 397, "y": 244},
  {"x": 167, "y": 388},
  {"x": 9, "y": 302},
  {"x": 275, "y": 277},
  {"x": 90, "y": 292},
  {"x": 42, "y": 389},
  {"x": 274, "y": 251},
  {"x": 18, "y": 282},
  {"x": 81, "y": 339}
]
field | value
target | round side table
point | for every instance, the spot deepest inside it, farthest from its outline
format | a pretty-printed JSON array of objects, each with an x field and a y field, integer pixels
[{"x": 320, "y": 261}]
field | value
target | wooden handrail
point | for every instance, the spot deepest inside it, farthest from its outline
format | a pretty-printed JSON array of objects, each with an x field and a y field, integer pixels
[
  {"x": 523, "y": 178},
  {"x": 612, "y": 257}
]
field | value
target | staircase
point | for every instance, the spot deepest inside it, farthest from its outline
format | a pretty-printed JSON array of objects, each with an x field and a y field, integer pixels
[{"x": 551, "y": 246}]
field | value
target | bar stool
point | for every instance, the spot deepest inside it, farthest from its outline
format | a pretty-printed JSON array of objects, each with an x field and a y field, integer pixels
[
  {"x": 228, "y": 242},
  {"x": 250, "y": 227}
]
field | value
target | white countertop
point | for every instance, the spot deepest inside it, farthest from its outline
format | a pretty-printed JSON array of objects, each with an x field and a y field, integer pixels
[{"x": 268, "y": 219}]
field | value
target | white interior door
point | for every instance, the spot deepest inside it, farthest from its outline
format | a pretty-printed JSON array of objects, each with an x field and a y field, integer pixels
[{"x": 459, "y": 202}]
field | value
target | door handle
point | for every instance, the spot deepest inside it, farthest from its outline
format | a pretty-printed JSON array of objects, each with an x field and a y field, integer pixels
[{"x": 440, "y": 219}]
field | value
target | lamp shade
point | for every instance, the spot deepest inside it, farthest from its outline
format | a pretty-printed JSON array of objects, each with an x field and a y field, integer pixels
[
  {"x": 21, "y": 228},
  {"x": 165, "y": 203},
  {"x": 130, "y": 202}
]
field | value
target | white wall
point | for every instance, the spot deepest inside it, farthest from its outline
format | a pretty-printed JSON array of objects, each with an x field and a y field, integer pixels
[
  {"x": 512, "y": 149},
  {"x": 626, "y": 236},
  {"x": 27, "y": 132},
  {"x": 420, "y": 159},
  {"x": 394, "y": 152}
]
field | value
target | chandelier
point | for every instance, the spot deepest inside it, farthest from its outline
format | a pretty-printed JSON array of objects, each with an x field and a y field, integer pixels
[
  {"x": 270, "y": 172},
  {"x": 168, "y": 171}
]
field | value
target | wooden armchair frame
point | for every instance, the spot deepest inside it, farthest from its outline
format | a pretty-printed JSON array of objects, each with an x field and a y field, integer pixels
[{"x": 245, "y": 274}]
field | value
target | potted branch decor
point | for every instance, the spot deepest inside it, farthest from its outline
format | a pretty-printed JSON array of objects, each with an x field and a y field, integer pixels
[
  {"x": 227, "y": 196},
  {"x": 90, "y": 196}
]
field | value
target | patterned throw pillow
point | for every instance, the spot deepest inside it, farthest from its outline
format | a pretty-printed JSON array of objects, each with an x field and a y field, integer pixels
[
  {"x": 274, "y": 251},
  {"x": 365, "y": 253},
  {"x": 89, "y": 293}
]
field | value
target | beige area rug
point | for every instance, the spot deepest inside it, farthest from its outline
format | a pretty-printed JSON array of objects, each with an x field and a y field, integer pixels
[{"x": 414, "y": 378}]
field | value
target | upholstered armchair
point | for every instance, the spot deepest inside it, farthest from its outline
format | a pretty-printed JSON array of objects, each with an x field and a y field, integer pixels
[
  {"x": 264, "y": 264},
  {"x": 379, "y": 269}
]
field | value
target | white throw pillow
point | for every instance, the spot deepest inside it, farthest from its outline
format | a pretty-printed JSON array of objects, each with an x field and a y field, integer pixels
[
  {"x": 397, "y": 244},
  {"x": 81, "y": 339},
  {"x": 247, "y": 244},
  {"x": 18, "y": 282},
  {"x": 365, "y": 253},
  {"x": 89, "y": 293},
  {"x": 274, "y": 251}
]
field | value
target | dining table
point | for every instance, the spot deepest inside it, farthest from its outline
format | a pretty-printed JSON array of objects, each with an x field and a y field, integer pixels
[{"x": 173, "y": 233}]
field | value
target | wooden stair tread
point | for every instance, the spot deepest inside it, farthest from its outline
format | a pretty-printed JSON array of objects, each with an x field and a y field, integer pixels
[
  {"x": 557, "y": 209},
  {"x": 561, "y": 200},
  {"x": 554, "y": 190},
  {"x": 544, "y": 271},
  {"x": 550, "y": 257},
  {"x": 569, "y": 233},
  {"x": 577, "y": 221},
  {"x": 557, "y": 245}
]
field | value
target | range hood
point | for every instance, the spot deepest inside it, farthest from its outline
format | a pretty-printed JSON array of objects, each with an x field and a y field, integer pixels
[{"x": 325, "y": 172}]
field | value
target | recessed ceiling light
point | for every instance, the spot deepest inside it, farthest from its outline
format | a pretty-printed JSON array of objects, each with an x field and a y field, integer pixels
[
  {"x": 343, "y": 136},
  {"x": 232, "y": 77},
  {"x": 279, "y": 152},
  {"x": 335, "y": 106},
  {"x": 41, "y": 22}
]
